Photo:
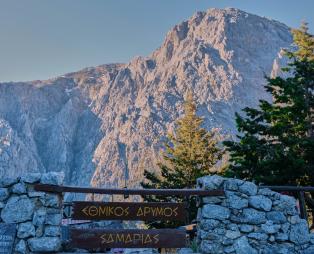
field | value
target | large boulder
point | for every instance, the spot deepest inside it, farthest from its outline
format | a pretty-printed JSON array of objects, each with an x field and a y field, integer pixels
[
  {"x": 17, "y": 209},
  {"x": 55, "y": 178},
  {"x": 41, "y": 244},
  {"x": 25, "y": 230},
  {"x": 299, "y": 233},
  {"x": 217, "y": 212},
  {"x": 260, "y": 202},
  {"x": 242, "y": 246}
]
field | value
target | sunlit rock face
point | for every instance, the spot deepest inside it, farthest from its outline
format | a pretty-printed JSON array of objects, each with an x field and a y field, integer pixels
[{"x": 103, "y": 125}]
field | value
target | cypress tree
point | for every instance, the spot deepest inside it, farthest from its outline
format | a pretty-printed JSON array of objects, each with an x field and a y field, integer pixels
[{"x": 190, "y": 152}]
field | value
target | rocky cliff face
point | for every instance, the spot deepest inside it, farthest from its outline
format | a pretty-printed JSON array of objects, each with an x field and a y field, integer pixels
[{"x": 103, "y": 125}]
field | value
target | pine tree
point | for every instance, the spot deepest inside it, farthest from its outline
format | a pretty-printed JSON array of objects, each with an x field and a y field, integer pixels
[
  {"x": 276, "y": 144},
  {"x": 305, "y": 42},
  {"x": 190, "y": 152}
]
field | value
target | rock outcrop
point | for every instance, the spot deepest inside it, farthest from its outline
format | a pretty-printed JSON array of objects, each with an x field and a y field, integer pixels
[{"x": 104, "y": 125}]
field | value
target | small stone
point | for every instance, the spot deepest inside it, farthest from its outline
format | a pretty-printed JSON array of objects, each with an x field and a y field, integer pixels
[
  {"x": 271, "y": 249},
  {"x": 286, "y": 204},
  {"x": 232, "y": 184},
  {"x": 232, "y": 226},
  {"x": 281, "y": 237},
  {"x": 260, "y": 202},
  {"x": 299, "y": 233},
  {"x": 210, "y": 182},
  {"x": 21, "y": 248},
  {"x": 248, "y": 188},
  {"x": 39, "y": 231},
  {"x": 45, "y": 244},
  {"x": 246, "y": 228},
  {"x": 309, "y": 250},
  {"x": 211, "y": 200},
  {"x": 55, "y": 178},
  {"x": 19, "y": 188},
  {"x": 53, "y": 211},
  {"x": 53, "y": 219},
  {"x": 4, "y": 194},
  {"x": 39, "y": 217},
  {"x": 252, "y": 216},
  {"x": 31, "y": 177},
  {"x": 236, "y": 202},
  {"x": 209, "y": 224},
  {"x": 25, "y": 230},
  {"x": 285, "y": 227},
  {"x": 286, "y": 248},
  {"x": 52, "y": 231},
  {"x": 258, "y": 236},
  {"x": 8, "y": 181},
  {"x": 233, "y": 234},
  {"x": 242, "y": 246},
  {"x": 312, "y": 238},
  {"x": 276, "y": 217},
  {"x": 211, "y": 211},
  {"x": 204, "y": 235},
  {"x": 34, "y": 194},
  {"x": 294, "y": 219},
  {"x": 17, "y": 209},
  {"x": 227, "y": 241},
  {"x": 219, "y": 231},
  {"x": 185, "y": 251},
  {"x": 269, "y": 193},
  {"x": 272, "y": 238},
  {"x": 52, "y": 200},
  {"x": 210, "y": 247},
  {"x": 229, "y": 249},
  {"x": 270, "y": 228}
]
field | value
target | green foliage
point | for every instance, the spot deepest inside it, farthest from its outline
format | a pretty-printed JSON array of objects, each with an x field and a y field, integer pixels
[
  {"x": 304, "y": 41},
  {"x": 276, "y": 141},
  {"x": 194, "y": 246},
  {"x": 189, "y": 153}
]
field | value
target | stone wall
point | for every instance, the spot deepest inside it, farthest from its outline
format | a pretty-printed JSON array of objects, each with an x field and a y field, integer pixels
[
  {"x": 250, "y": 220},
  {"x": 37, "y": 215}
]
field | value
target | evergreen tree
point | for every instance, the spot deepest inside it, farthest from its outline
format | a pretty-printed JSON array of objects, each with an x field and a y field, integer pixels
[
  {"x": 305, "y": 42},
  {"x": 276, "y": 144},
  {"x": 189, "y": 153}
]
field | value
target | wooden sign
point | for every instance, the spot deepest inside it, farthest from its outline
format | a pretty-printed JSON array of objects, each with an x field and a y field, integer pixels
[
  {"x": 7, "y": 237},
  {"x": 128, "y": 211},
  {"x": 101, "y": 239}
]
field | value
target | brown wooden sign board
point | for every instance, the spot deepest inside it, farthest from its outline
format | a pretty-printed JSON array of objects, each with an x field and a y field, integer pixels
[
  {"x": 100, "y": 239},
  {"x": 128, "y": 211}
]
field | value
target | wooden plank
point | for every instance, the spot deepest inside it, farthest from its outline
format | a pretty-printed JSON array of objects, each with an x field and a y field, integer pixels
[
  {"x": 128, "y": 211},
  {"x": 289, "y": 188},
  {"x": 101, "y": 239},
  {"x": 302, "y": 204},
  {"x": 144, "y": 192}
]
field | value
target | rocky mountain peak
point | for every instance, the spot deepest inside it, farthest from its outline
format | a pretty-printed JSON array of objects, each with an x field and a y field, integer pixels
[{"x": 103, "y": 125}]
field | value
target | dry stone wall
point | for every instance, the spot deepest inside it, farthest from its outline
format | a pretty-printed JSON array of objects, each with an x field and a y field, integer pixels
[
  {"x": 247, "y": 220},
  {"x": 36, "y": 215},
  {"x": 250, "y": 220}
]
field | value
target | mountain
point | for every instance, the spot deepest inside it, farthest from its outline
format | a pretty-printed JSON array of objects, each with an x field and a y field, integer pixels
[{"x": 103, "y": 125}]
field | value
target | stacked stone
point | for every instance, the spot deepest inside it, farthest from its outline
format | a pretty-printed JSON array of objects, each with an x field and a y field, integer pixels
[
  {"x": 250, "y": 220},
  {"x": 37, "y": 215}
]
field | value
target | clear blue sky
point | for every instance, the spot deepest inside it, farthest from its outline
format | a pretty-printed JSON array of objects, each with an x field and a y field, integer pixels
[{"x": 40, "y": 39}]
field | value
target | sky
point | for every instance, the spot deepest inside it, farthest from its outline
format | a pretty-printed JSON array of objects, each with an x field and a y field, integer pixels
[{"x": 41, "y": 39}]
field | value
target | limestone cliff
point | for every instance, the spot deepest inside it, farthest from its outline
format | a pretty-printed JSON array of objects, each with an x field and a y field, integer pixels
[{"x": 102, "y": 125}]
